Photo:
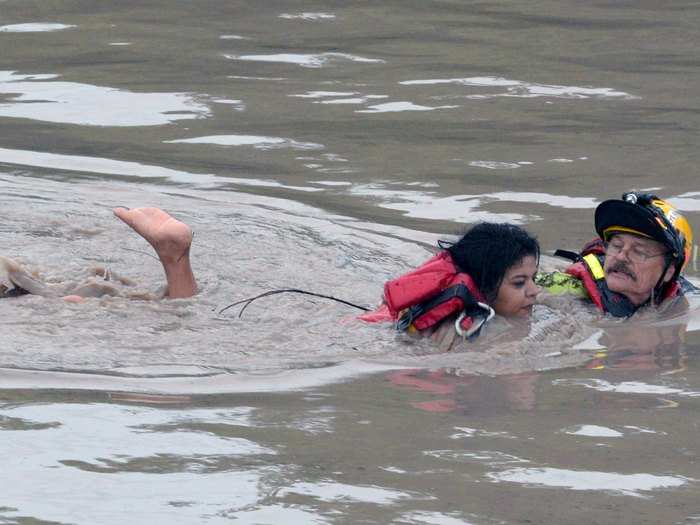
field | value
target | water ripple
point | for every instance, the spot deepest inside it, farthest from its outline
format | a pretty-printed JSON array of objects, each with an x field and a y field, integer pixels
[
  {"x": 624, "y": 484},
  {"x": 307, "y": 60},
  {"x": 88, "y": 105},
  {"x": 521, "y": 89},
  {"x": 35, "y": 27}
]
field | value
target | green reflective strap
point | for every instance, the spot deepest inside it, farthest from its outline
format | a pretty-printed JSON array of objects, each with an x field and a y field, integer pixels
[
  {"x": 594, "y": 266},
  {"x": 560, "y": 283}
]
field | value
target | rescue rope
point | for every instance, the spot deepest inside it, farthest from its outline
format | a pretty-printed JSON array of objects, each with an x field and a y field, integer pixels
[{"x": 247, "y": 302}]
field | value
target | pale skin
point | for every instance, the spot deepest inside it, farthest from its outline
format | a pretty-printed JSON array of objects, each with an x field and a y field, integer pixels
[
  {"x": 635, "y": 280},
  {"x": 517, "y": 292},
  {"x": 171, "y": 240},
  {"x": 515, "y": 298}
]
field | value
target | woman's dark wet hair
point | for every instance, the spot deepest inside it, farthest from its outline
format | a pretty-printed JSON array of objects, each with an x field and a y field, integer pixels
[{"x": 488, "y": 250}]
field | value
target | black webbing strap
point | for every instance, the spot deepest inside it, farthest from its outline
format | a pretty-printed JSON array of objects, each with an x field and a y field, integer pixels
[
  {"x": 12, "y": 292},
  {"x": 414, "y": 312},
  {"x": 566, "y": 254}
]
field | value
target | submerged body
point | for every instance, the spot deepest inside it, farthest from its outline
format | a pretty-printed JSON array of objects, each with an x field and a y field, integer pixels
[
  {"x": 170, "y": 238},
  {"x": 16, "y": 281}
]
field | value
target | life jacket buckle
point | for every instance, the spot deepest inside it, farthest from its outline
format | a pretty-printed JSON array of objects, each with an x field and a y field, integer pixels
[{"x": 478, "y": 321}]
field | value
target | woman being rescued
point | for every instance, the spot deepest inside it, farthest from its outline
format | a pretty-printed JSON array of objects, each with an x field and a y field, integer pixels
[{"x": 489, "y": 271}]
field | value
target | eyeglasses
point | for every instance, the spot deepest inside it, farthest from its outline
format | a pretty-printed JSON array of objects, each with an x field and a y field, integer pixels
[{"x": 634, "y": 254}]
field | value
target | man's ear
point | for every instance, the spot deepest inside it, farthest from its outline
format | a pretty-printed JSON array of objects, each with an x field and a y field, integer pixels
[{"x": 669, "y": 273}]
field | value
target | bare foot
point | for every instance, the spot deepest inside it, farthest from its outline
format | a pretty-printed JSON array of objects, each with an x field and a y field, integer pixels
[{"x": 170, "y": 238}]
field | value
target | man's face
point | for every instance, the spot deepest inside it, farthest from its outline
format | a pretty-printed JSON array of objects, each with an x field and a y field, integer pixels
[{"x": 633, "y": 266}]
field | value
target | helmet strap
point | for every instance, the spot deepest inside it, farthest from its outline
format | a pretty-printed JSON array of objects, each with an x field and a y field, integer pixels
[{"x": 657, "y": 292}]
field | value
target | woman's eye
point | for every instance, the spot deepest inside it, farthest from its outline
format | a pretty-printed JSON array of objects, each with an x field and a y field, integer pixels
[{"x": 518, "y": 284}]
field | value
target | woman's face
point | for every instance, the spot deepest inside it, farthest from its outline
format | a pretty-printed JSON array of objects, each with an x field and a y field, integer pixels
[{"x": 517, "y": 292}]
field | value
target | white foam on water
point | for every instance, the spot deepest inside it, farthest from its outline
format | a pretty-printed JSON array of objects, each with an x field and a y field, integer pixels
[
  {"x": 306, "y": 60},
  {"x": 98, "y": 165},
  {"x": 321, "y": 424},
  {"x": 643, "y": 430},
  {"x": 557, "y": 201},
  {"x": 233, "y": 37},
  {"x": 227, "y": 101},
  {"x": 394, "y": 470},
  {"x": 274, "y": 381},
  {"x": 31, "y": 97},
  {"x": 338, "y": 97},
  {"x": 179, "y": 498},
  {"x": 242, "y": 77},
  {"x": 593, "y": 431},
  {"x": 36, "y": 27},
  {"x": 238, "y": 105},
  {"x": 432, "y": 518},
  {"x": 274, "y": 514},
  {"x": 122, "y": 431},
  {"x": 626, "y": 484},
  {"x": 12, "y": 76},
  {"x": 487, "y": 457},
  {"x": 423, "y": 184},
  {"x": 342, "y": 101},
  {"x": 322, "y": 94},
  {"x": 120, "y": 43},
  {"x": 517, "y": 88},
  {"x": 625, "y": 387},
  {"x": 307, "y": 16},
  {"x": 454, "y": 209},
  {"x": 423, "y": 205},
  {"x": 562, "y": 161},
  {"x": 464, "y": 208},
  {"x": 258, "y": 142},
  {"x": 470, "y": 81},
  {"x": 338, "y": 171},
  {"x": 466, "y": 432},
  {"x": 333, "y": 492},
  {"x": 391, "y": 107},
  {"x": 494, "y": 165},
  {"x": 332, "y": 157},
  {"x": 689, "y": 201},
  {"x": 591, "y": 343},
  {"x": 68, "y": 449},
  {"x": 130, "y": 169},
  {"x": 331, "y": 182}
]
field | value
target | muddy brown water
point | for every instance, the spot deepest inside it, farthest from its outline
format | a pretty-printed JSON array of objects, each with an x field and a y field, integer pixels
[{"x": 327, "y": 146}]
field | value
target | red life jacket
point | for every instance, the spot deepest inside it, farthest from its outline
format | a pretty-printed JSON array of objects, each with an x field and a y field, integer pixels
[
  {"x": 588, "y": 268},
  {"x": 435, "y": 290}
]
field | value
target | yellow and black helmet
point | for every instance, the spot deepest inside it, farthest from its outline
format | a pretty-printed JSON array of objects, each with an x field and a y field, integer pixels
[{"x": 646, "y": 215}]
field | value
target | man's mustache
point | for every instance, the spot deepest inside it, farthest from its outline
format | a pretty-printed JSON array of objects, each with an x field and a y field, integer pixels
[{"x": 621, "y": 266}]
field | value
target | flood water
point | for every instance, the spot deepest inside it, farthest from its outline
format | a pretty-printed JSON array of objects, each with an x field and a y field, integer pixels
[{"x": 327, "y": 146}]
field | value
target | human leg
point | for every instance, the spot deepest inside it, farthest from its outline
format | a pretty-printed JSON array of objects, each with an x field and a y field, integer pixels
[{"x": 171, "y": 239}]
